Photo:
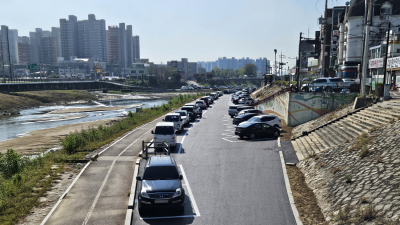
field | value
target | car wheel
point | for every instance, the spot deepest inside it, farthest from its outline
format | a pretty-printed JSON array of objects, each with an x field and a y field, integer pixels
[
  {"x": 252, "y": 136},
  {"x": 240, "y": 136},
  {"x": 231, "y": 116},
  {"x": 276, "y": 133}
]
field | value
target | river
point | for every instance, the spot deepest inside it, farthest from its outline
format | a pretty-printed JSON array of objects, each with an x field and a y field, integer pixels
[{"x": 39, "y": 118}]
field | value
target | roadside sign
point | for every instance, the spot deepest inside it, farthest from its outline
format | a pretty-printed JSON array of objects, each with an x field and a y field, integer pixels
[
  {"x": 32, "y": 66},
  {"x": 373, "y": 85}
]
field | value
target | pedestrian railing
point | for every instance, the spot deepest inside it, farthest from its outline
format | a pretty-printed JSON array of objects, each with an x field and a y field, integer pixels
[{"x": 146, "y": 146}]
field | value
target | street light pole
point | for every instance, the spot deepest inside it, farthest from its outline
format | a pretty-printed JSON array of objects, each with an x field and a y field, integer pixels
[{"x": 275, "y": 62}]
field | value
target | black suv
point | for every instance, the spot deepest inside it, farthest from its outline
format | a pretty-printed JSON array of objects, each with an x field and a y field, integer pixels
[{"x": 161, "y": 185}]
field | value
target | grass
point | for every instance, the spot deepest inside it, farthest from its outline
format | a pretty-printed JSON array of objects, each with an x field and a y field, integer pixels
[
  {"x": 361, "y": 143},
  {"x": 21, "y": 187},
  {"x": 94, "y": 138},
  {"x": 348, "y": 178},
  {"x": 336, "y": 169},
  {"x": 55, "y": 96},
  {"x": 23, "y": 180}
]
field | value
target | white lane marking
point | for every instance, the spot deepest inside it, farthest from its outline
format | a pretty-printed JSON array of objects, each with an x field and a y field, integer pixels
[
  {"x": 105, "y": 181},
  {"x": 62, "y": 196},
  {"x": 289, "y": 191},
  {"x": 183, "y": 139},
  {"x": 196, "y": 210},
  {"x": 279, "y": 142}
]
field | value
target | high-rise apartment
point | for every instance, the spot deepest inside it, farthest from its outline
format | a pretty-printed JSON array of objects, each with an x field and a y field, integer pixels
[
  {"x": 9, "y": 41},
  {"x": 136, "y": 47},
  {"x": 122, "y": 46},
  {"x": 92, "y": 38},
  {"x": 55, "y": 32},
  {"x": 23, "y": 50},
  {"x": 69, "y": 36},
  {"x": 113, "y": 45},
  {"x": 129, "y": 46},
  {"x": 49, "y": 52}
]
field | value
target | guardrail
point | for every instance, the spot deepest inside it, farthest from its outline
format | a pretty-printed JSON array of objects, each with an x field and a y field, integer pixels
[{"x": 166, "y": 148}]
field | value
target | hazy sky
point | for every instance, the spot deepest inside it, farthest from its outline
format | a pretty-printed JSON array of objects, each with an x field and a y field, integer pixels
[{"x": 201, "y": 30}]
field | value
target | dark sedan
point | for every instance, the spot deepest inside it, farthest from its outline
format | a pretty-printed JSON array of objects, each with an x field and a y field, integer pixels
[
  {"x": 243, "y": 117},
  {"x": 253, "y": 130}
]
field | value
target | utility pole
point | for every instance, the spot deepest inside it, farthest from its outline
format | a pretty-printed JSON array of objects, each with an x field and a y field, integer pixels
[
  {"x": 299, "y": 68},
  {"x": 275, "y": 62},
  {"x": 366, "y": 47},
  {"x": 324, "y": 41},
  {"x": 281, "y": 67},
  {"x": 386, "y": 56}
]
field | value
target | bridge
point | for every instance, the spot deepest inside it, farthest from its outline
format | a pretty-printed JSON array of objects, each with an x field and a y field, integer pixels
[
  {"x": 240, "y": 79},
  {"x": 54, "y": 84}
]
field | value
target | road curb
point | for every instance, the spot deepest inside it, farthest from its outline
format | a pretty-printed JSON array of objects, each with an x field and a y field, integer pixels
[
  {"x": 132, "y": 195},
  {"x": 289, "y": 191}
]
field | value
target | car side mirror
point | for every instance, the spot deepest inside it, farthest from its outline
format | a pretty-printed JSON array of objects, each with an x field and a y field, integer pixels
[
  {"x": 152, "y": 131},
  {"x": 138, "y": 178},
  {"x": 163, "y": 120},
  {"x": 180, "y": 177}
]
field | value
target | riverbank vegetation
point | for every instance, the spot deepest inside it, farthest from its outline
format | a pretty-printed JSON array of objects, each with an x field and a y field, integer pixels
[
  {"x": 23, "y": 180},
  {"x": 88, "y": 140}
]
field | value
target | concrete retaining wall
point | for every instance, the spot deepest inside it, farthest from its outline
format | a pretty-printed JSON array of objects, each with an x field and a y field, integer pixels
[{"x": 298, "y": 108}]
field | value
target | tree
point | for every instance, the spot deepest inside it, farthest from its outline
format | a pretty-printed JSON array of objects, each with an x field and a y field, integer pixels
[
  {"x": 250, "y": 69},
  {"x": 202, "y": 70},
  {"x": 209, "y": 75}
]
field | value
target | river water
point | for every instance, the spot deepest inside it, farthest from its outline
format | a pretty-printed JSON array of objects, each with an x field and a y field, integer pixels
[{"x": 38, "y": 118}]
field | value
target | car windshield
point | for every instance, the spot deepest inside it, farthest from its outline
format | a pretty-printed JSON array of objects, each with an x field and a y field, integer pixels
[
  {"x": 254, "y": 119},
  {"x": 189, "y": 109},
  {"x": 171, "y": 118},
  {"x": 182, "y": 113},
  {"x": 164, "y": 130},
  {"x": 161, "y": 173}
]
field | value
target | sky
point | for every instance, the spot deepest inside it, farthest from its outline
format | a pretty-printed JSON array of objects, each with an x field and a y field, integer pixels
[{"x": 201, "y": 30}]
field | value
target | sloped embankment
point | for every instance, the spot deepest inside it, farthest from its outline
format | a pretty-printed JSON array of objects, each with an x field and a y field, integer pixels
[{"x": 358, "y": 181}]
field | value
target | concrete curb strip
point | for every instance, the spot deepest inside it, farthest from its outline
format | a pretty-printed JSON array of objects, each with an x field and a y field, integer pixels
[
  {"x": 289, "y": 191},
  {"x": 132, "y": 195}
]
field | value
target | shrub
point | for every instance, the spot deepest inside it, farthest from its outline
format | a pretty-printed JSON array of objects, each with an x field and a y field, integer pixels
[
  {"x": 348, "y": 178},
  {"x": 10, "y": 163}
]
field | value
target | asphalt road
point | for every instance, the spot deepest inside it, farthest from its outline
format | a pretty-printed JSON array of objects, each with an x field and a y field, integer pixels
[{"x": 227, "y": 180}]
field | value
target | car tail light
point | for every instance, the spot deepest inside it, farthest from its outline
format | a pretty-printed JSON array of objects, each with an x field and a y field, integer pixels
[
  {"x": 173, "y": 138},
  {"x": 279, "y": 120},
  {"x": 155, "y": 138}
]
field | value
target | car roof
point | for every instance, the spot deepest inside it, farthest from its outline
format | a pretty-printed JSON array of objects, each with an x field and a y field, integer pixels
[
  {"x": 172, "y": 114},
  {"x": 160, "y": 161},
  {"x": 245, "y": 115},
  {"x": 180, "y": 111},
  {"x": 165, "y": 124}
]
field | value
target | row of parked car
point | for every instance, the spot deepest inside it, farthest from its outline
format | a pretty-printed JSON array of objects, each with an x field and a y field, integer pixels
[
  {"x": 242, "y": 97},
  {"x": 161, "y": 183},
  {"x": 252, "y": 123},
  {"x": 175, "y": 122}
]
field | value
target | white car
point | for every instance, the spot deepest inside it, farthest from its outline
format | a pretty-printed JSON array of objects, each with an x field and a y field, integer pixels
[
  {"x": 326, "y": 83},
  {"x": 176, "y": 119},
  {"x": 271, "y": 120},
  {"x": 184, "y": 117},
  {"x": 164, "y": 131}
]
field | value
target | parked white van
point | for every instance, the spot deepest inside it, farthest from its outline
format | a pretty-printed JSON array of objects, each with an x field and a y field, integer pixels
[{"x": 164, "y": 131}]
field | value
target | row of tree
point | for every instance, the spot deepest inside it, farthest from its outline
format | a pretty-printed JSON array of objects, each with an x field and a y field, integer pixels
[{"x": 249, "y": 69}]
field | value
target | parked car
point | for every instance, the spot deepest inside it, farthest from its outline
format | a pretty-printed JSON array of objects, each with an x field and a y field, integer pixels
[
  {"x": 220, "y": 93},
  {"x": 326, "y": 84},
  {"x": 214, "y": 96},
  {"x": 184, "y": 116},
  {"x": 210, "y": 100},
  {"x": 201, "y": 104},
  {"x": 164, "y": 131},
  {"x": 195, "y": 107},
  {"x": 249, "y": 111},
  {"x": 243, "y": 118},
  {"x": 176, "y": 119},
  {"x": 161, "y": 185},
  {"x": 232, "y": 110},
  {"x": 206, "y": 100},
  {"x": 240, "y": 108},
  {"x": 190, "y": 110},
  {"x": 272, "y": 120},
  {"x": 254, "y": 130},
  {"x": 246, "y": 101}
]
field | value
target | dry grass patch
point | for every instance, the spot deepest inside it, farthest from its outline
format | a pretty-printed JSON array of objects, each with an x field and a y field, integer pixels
[
  {"x": 336, "y": 169},
  {"x": 361, "y": 143}
]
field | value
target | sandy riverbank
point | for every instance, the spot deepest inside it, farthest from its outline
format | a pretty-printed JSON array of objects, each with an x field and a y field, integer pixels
[{"x": 39, "y": 140}]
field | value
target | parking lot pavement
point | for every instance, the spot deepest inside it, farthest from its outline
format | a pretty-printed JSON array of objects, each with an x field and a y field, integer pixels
[{"x": 232, "y": 181}]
